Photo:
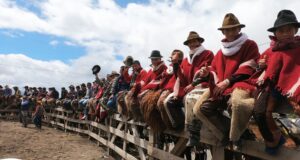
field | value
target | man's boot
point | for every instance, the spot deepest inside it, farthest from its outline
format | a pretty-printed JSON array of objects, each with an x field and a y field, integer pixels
[{"x": 194, "y": 130}]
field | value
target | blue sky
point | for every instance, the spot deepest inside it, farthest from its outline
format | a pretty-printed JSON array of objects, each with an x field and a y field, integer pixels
[
  {"x": 38, "y": 46},
  {"x": 42, "y": 46}
]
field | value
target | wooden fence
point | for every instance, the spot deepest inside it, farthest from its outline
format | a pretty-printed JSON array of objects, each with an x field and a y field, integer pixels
[{"x": 122, "y": 137}]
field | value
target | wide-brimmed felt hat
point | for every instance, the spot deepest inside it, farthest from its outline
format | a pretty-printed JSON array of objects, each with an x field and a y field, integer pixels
[
  {"x": 155, "y": 54},
  {"x": 114, "y": 73},
  {"x": 193, "y": 35},
  {"x": 128, "y": 61},
  {"x": 230, "y": 21},
  {"x": 96, "y": 69},
  {"x": 285, "y": 17}
]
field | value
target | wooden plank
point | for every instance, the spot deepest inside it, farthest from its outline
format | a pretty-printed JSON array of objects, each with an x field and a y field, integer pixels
[
  {"x": 179, "y": 146},
  {"x": 98, "y": 125},
  {"x": 139, "y": 148},
  {"x": 62, "y": 110},
  {"x": 257, "y": 149},
  {"x": 98, "y": 138},
  {"x": 128, "y": 137},
  {"x": 114, "y": 130},
  {"x": 122, "y": 153},
  {"x": 160, "y": 154},
  {"x": 218, "y": 153},
  {"x": 9, "y": 110},
  {"x": 77, "y": 130},
  {"x": 151, "y": 144},
  {"x": 125, "y": 137},
  {"x": 132, "y": 122}
]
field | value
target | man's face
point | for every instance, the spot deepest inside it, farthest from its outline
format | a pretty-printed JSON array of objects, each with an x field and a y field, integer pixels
[
  {"x": 194, "y": 43},
  {"x": 285, "y": 32},
  {"x": 155, "y": 61},
  {"x": 231, "y": 33},
  {"x": 121, "y": 69},
  {"x": 89, "y": 85},
  {"x": 136, "y": 67}
]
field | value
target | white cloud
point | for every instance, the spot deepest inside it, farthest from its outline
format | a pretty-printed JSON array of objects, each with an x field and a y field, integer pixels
[
  {"x": 12, "y": 34},
  {"x": 68, "y": 43},
  {"x": 53, "y": 43},
  {"x": 106, "y": 29}
]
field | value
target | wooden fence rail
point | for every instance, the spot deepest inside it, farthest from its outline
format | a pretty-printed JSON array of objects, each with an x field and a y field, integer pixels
[{"x": 122, "y": 137}]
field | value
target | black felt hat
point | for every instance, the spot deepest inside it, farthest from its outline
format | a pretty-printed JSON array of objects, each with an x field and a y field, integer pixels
[{"x": 285, "y": 17}]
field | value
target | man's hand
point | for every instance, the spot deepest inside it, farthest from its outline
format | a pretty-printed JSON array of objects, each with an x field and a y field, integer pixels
[
  {"x": 204, "y": 71},
  {"x": 188, "y": 88},
  {"x": 220, "y": 87},
  {"x": 262, "y": 63}
]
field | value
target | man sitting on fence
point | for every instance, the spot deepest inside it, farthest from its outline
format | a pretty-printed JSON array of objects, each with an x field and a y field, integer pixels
[
  {"x": 83, "y": 102},
  {"x": 119, "y": 84},
  {"x": 232, "y": 64}
]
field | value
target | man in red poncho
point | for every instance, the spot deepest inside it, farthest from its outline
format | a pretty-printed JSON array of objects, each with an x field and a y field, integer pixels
[
  {"x": 282, "y": 79},
  {"x": 233, "y": 63},
  {"x": 155, "y": 74},
  {"x": 188, "y": 83}
]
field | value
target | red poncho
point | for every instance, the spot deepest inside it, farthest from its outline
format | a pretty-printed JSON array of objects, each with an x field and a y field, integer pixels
[
  {"x": 153, "y": 77},
  {"x": 284, "y": 68},
  {"x": 242, "y": 62}
]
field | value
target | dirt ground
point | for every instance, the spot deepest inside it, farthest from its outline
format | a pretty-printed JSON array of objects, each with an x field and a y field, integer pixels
[{"x": 31, "y": 144}]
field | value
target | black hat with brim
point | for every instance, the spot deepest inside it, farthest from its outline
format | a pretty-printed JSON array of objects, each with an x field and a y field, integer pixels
[
  {"x": 285, "y": 17},
  {"x": 155, "y": 54},
  {"x": 96, "y": 69}
]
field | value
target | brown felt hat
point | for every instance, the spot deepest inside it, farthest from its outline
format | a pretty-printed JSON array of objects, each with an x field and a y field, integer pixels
[
  {"x": 193, "y": 35},
  {"x": 114, "y": 73},
  {"x": 230, "y": 21}
]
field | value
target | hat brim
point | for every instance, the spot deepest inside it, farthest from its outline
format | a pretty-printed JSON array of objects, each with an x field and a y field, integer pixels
[
  {"x": 187, "y": 41},
  {"x": 114, "y": 74},
  {"x": 232, "y": 26},
  {"x": 155, "y": 57},
  {"x": 273, "y": 29}
]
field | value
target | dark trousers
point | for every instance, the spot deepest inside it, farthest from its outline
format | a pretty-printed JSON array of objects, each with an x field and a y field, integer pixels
[
  {"x": 265, "y": 104},
  {"x": 213, "y": 111},
  {"x": 37, "y": 120}
]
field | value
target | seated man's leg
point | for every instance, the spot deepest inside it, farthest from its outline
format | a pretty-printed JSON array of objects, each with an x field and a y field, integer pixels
[
  {"x": 111, "y": 104},
  {"x": 263, "y": 110},
  {"x": 175, "y": 113},
  {"x": 213, "y": 118},
  {"x": 242, "y": 104}
]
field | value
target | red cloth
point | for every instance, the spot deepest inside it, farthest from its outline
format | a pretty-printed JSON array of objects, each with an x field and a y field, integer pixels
[
  {"x": 297, "y": 95},
  {"x": 154, "y": 77},
  {"x": 168, "y": 81},
  {"x": 251, "y": 83},
  {"x": 127, "y": 77},
  {"x": 140, "y": 76},
  {"x": 188, "y": 70},
  {"x": 99, "y": 93},
  {"x": 284, "y": 70},
  {"x": 226, "y": 66}
]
